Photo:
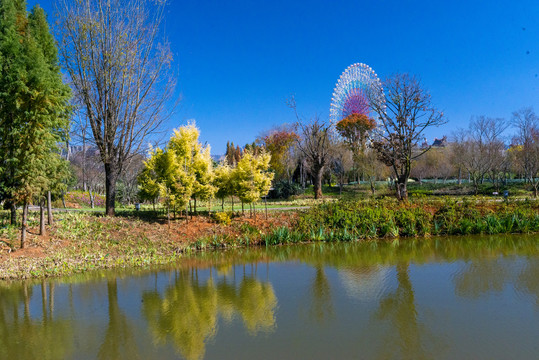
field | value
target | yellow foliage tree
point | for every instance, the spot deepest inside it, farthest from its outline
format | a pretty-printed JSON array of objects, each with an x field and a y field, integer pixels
[
  {"x": 196, "y": 161},
  {"x": 181, "y": 172},
  {"x": 252, "y": 178},
  {"x": 222, "y": 181}
]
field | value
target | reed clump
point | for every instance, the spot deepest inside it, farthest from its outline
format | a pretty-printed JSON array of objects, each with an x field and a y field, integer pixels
[{"x": 355, "y": 220}]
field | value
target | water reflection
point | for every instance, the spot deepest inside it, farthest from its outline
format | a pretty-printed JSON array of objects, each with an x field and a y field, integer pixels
[
  {"x": 528, "y": 279},
  {"x": 375, "y": 298},
  {"x": 321, "y": 304},
  {"x": 404, "y": 338},
  {"x": 493, "y": 275},
  {"x": 188, "y": 311},
  {"x": 365, "y": 282},
  {"x": 118, "y": 342},
  {"x": 483, "y": 276},
  {"x": 25, "y": 337}
]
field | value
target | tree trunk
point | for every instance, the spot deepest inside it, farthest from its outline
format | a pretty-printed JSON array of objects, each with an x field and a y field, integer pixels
[
  {"x": 401, "y": 189},
  {"x": 223, "y": 204},
  {"x": 195, "y": 205},
  {"x": 266, "y": 205},
  {"x": 460, "y": 176},
  {"x": 318, "y": 174},
  {"x": 110, "y": 189},
  {"x": 63, "y": 200},
  {"x": 92, "y": 196},
  {"x": 23, "y": 227},
  {"x": 49, "y": 208},
  {"x": 13, "y": 210},
  {"x": 168, "y": 217},
  {"x": 42, "y": 230}
]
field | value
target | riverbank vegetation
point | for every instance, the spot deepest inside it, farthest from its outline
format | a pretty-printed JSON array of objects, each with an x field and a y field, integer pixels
[{"x": 79, "y": 242}]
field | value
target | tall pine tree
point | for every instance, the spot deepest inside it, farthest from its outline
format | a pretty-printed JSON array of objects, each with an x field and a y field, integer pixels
[{"x": 34, "y": 106}]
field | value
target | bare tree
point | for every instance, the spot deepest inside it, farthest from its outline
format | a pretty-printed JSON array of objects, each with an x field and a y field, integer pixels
[
  {"x": 129, "y": 179},
  {"x": 88, "y": 169},
  {"x": 120, "y": 74},
  {"x": 406, "y": 112},
  {"x": 526, "y": 145},
  {"x": 371, "y": 168},
  {"x": 342, "y": 162},
  {"x": 434, "y": 164},
  {"x": 480, "y": 148},
  {"x": 315, "y": 145}
]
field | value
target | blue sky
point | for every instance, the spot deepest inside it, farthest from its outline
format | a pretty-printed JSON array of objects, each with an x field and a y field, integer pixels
[{"x": 238, "y": 61}]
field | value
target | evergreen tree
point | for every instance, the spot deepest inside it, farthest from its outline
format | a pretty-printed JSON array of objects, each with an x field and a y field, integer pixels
[
  {"x": 34, "y": 105},
  {"x": 12, "y": 86}
]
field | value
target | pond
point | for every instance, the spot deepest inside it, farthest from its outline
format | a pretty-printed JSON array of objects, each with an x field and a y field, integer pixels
[{"x": 443, "y": 298}]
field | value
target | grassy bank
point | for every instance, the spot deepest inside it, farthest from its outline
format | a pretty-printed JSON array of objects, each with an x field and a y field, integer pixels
[{"x": 80, "y": 242}]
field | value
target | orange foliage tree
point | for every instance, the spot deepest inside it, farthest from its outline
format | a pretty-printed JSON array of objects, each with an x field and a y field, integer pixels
[
  {"x": 354, "y": 129},
  {"x": 279, "y": 143}
]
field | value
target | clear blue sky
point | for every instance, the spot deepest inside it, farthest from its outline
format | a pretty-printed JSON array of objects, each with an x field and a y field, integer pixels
[{"x": 239, "y": 60}]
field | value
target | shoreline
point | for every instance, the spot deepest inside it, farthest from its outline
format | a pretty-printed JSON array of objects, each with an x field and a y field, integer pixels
[{"x": 80, "y": 242}]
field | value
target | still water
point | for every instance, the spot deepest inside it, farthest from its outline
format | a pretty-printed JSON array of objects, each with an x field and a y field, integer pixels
[{"x": 444, "y": 298}]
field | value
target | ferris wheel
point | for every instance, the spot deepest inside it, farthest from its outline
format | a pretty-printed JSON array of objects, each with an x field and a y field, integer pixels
[{"x": 357, "y": 87}]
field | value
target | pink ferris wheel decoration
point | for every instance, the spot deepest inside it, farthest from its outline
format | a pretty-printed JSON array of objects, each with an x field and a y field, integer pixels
[{"x": 357, "y": 86}]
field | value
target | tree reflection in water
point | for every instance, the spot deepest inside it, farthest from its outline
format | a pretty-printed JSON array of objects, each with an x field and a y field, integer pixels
[
  {"x": 406, "y": 334},
  {"x": 188, "y": 311},
  {"x": 118, "y": 342},
  {"x": 321, "y": 304},
  {"x": 528, "y": 279},
  {"x": 32, "y": 337},
  {"x": 38, "y": 320},
  {"x": 482, "y": 276},
  {"x": 494, "y": 275}
]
